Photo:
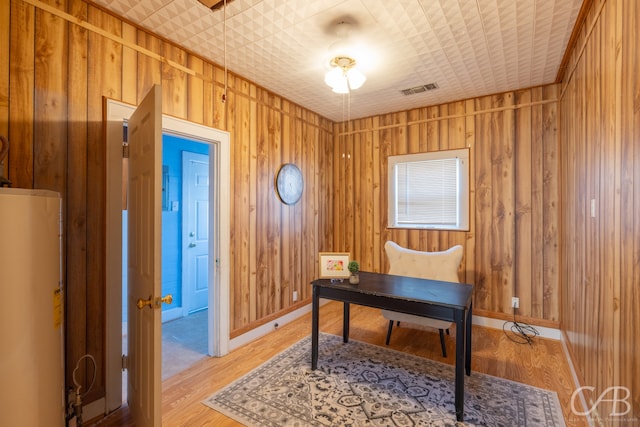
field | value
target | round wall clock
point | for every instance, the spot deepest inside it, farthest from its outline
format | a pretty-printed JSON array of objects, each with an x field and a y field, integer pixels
[{"x": 289, "y": 183}]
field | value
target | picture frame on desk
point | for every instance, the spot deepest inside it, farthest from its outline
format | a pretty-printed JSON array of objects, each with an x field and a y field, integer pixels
[{"x": 333, "y": 265}]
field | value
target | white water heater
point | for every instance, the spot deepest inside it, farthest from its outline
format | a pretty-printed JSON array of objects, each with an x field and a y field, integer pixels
[{"x": 31, "y": 314}]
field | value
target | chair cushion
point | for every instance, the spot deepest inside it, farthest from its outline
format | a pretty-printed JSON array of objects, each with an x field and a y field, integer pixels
[
  {"x": 424, "y": 265},
  {"x": 441, "y": 265}
]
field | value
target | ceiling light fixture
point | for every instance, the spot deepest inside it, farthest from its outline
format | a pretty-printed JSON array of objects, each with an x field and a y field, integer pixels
[{"x": 343, "y": 77}]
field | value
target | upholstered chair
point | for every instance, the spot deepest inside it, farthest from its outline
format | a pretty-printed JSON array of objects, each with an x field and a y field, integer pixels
[{"x": 441, "y": 266}]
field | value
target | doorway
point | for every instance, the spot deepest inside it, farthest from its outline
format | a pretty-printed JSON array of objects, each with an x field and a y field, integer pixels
[{"x": 217, "y": 314}]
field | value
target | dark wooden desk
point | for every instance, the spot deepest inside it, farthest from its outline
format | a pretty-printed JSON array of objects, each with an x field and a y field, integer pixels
[{"x": 429, "y": 298}]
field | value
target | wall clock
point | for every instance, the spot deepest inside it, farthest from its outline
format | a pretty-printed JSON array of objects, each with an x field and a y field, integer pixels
[{"x": 289, "y": 184}]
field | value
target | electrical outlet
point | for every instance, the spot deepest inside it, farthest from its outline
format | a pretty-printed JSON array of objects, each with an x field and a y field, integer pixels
[
  {"x": 515, "y": 302},
  {"x": 295, "y": 296}
]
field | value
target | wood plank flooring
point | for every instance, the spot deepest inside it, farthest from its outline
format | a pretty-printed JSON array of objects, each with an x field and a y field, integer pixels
[{"x": 541, "y": 364}]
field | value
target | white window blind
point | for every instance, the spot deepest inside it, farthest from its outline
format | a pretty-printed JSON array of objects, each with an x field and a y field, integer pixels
[{"x": 429, "y": 190}]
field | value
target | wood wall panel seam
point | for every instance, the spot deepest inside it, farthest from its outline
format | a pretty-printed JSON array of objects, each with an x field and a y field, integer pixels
[
  {"x": 5, "y": 46},
  {"x": 573, "y": 39},
  {"x": 21, "y": 94},
  {"x": 136, "y": 47},
  {"x": 450, "y": 117},
  {"x": 577, "y": 54},
  {"x": 93, "y": 28}
]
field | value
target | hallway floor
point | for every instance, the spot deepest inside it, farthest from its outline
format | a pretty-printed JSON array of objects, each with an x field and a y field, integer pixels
[{"x": 184, "y": 342}]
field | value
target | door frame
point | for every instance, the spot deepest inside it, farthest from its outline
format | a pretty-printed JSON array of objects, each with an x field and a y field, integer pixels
[{"x": 116, "y": 114}]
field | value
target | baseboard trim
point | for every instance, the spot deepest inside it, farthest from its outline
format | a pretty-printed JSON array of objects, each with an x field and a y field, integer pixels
[
  {"x": 94, "y": 410},
  {"x": 545, "y": 332},
  {"x": 576, "y": 378},
  {"x": 247, "y": 337},
  {"x": 172, "y": 314},
  {"x": 263, "y": 330}
]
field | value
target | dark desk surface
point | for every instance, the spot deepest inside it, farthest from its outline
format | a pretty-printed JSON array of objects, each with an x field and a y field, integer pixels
[{"x": 444, "y": 294}]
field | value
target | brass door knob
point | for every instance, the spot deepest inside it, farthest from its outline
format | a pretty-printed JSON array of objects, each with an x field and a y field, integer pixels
[
  {"x": 153, "y": 303},
  {"x": 142, "y": 303},
  {"x": 167, "y": 300}
]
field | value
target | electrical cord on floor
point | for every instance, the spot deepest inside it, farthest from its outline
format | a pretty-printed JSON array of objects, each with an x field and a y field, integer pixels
[{"x": 520, "y": 333}]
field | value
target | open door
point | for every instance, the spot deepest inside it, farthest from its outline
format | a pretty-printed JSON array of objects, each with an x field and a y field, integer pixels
[{"x": 144, "y": 389}]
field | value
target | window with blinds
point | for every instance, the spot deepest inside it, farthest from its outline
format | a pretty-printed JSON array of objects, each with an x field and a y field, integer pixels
[{"x": 429, "y": 190}]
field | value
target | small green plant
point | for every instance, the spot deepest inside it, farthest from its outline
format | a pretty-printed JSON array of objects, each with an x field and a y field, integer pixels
[{"x": 353, "y": 267}]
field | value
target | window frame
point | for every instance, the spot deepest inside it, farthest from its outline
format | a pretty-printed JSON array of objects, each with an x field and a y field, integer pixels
[{"x": 463, "y": 187}]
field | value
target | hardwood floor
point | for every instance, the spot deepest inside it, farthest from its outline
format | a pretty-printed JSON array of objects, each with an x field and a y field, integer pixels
[{"x": 541, "y": 364}]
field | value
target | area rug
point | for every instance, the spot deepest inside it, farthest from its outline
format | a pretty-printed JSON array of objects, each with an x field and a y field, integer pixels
[{"x": 359, "y": 384}]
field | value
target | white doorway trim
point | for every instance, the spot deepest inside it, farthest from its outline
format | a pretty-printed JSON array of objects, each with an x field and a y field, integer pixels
[{"x": 117, "y": 113}]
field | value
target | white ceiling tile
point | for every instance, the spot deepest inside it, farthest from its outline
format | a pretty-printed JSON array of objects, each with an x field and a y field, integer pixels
[{"x": 470, "y": 48}]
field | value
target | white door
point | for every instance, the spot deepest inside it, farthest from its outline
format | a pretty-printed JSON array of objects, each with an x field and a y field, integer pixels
[
  {"x": 144, "y": 272},
  {"x": 195, "y": 231}
]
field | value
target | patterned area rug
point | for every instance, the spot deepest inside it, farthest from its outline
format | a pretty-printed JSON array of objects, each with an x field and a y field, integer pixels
[{"x": 359, "y": 384}]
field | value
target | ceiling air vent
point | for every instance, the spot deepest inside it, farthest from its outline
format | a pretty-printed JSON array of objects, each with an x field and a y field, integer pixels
[{"x": 419, "y": 89}]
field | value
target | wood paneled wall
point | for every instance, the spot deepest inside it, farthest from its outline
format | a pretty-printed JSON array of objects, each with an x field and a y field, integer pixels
[
  {"x": 53, "y": 77},
  {"x": 600, "y": 140},
  {"x": 512, "y": 246}
]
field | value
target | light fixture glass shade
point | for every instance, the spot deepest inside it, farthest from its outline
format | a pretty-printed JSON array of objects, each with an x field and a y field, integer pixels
[
  {"x": 341, "y": 87},
  {"x": 334, "y": 76},
  {"x": 343, "y": 78},
  {"x": 356, "y": 78}
]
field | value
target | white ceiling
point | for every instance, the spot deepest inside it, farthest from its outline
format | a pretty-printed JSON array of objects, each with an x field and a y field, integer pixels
[{"x": 468, "y": 47}]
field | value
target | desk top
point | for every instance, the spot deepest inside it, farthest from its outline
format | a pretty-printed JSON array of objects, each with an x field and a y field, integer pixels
[{"x": 446, "y": 294}]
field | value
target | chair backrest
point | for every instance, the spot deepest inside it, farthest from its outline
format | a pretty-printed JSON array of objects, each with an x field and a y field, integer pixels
[{"x": 424, "y": 265}]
